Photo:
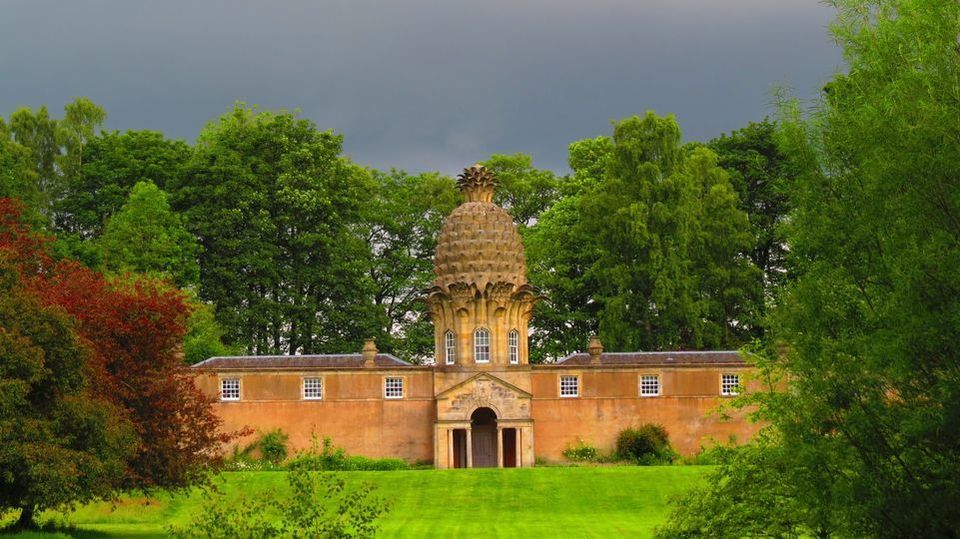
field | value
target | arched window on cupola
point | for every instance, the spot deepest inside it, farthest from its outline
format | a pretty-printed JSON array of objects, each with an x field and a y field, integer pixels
[
  {"x": 449, "y": 348},
  {"x": 513, "y": 345},
  {"x": 481, "y": 345}
]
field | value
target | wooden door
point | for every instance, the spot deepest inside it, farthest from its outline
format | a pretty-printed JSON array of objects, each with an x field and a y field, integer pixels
[{"x": 484, "y": 447}]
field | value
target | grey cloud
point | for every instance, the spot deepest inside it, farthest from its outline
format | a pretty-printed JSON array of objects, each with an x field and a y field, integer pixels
[{"x": 417, "y": 84}]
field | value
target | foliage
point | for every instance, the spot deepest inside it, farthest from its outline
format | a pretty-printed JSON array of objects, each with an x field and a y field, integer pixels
[
  {"x": 18, "y": 178},
  {"x": 327, "y": 457},
  {"x": 523, "y": 190},
  {"x": 650, "y": 254},
  {"x": 55, "y": 149},
  {"x": 648, "y": 444},
  {"x": 401, "y": 222},
  {"x": 319, "y": 505},
  {"x": 113, "y": 163},
  {"x": 754, "y": 493},
  {"x": 277, "y": 211},
  {"x": 581, "y": 451},
  {"x": 273, "y": 446},
  {"x": 60, "y": 442},
  {"x": 867, "y": 331},
  {"x": 146, "y": 237},
  {"x": 204, "y": 337},
  {"x": 759, "y": 173},
  {"x": 134, "y": 327}
]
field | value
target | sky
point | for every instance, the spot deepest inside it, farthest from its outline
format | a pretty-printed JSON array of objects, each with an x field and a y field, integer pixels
[{"x": 420, "y": 84}]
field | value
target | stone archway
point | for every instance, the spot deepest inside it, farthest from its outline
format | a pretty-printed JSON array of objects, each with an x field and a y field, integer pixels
[
  {"x": 483, "y": 427},
  {"x": 494, "y": 411}
]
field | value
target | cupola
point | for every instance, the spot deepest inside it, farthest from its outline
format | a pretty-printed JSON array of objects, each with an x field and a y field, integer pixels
[{"x": 480, "y": 301}]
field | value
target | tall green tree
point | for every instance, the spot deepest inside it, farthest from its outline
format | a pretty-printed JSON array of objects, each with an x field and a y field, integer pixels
[
  {"x": 55, "y": 148},
  {"x": 759, "y": 172},
  {"x": 277, "y": 211},
  {"x": 37, "y": 132},
  {"x": 147, "y": 237},
  {"x": 401, "y": 222},
  {"x": 650, "y": 254},
  {"x": 523, "y": 190},
  {"x": 81, "y": 118},
  {"x": 18, "y": 177},
  {"x": 870, "y": 362},
  {"x": 113, "y": 163}
]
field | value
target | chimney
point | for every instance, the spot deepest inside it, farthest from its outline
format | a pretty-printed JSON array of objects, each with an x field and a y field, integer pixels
[
  {"x": 369, "y": 353},
  {"x": 595, "y": 349}
]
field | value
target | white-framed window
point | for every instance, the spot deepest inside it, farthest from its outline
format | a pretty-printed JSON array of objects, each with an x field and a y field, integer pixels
[
  {"x": 393, "y": 387},
  {"x": 569, "y": 386},
  {"x": 229, "y": 389},
  {"x": 649, "y": 385},
  {"x": 729, "y": 384},
  {"x": 481, "y": 345},
  {"x": 449, "y": 348},
  {"x": 312, "y": 389},
  {"x": 513, "y": 345}
]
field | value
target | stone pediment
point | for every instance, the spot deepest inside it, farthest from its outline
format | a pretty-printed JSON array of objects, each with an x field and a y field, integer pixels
[{"x": 483, "y": 390}]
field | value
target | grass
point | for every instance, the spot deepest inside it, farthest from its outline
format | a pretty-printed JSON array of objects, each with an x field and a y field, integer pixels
[{"x": 533, "y": 502}]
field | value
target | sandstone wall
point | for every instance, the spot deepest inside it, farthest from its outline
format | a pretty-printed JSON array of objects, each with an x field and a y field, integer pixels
[
  {"x": 352, "y": 412},
  {"x": 609, "y": 402}
]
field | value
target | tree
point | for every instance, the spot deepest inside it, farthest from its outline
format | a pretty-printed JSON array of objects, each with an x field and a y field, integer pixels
[
  {"x": 134, "y": 328},
  {"x": 56, "y": 147},
  {"x": 650, "y": 254},
  {"x": 204, "y": 337},
  {"x": 401, "y": 224},
  {"x": 869, "y": 360},
  {"x": 759, "y": 172},
  {"x": 147, "y": 237},
  {"x": 277, "y": 211},
  {"x": 523, "y": 191},
  {"x": 37, "y": 132},
  {"x": 81, "y": 118},
  {"x": 60, "y": 443},
  {"x": 113, "y": 163},
  {"x": 18, "y": 178}
]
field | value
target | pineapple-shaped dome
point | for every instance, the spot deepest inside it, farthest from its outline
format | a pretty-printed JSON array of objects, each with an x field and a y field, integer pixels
[{"x": 479, "y": 243}]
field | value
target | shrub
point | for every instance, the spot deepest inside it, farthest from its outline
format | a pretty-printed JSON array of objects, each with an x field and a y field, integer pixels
[
  {"x": 648, "y": 444},
  {"x": 328, "y": 457},
  {"x": 319, "y": 505},
  {"x": 273, "y": 446},
  {"x": 582, "y": 452}
]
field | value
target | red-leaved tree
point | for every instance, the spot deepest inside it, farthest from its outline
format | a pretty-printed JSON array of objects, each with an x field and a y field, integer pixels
[{"x": 135, "y": 327}]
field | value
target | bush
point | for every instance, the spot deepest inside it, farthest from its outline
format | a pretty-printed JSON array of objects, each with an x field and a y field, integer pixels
[
  {"x": 319, "y": 505},
  {"x": 273, "y": 446},
  {"x": 582, "y": 452},
  {"x": 328, "y": 457},
  {"x": 648, "y": 444}
]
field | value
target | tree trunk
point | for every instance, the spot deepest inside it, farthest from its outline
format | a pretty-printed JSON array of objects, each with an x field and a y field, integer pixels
[{"x": 26, "y": 518}]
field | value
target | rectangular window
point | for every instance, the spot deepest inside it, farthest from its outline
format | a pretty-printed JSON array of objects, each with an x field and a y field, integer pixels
[
  {"x": 513, "y": 343},
  {"x": 230, "y": 389},
  {"x": 481, "y": 348},
  {"x": 649, "y": 385},
  {"x": 730, "y": 384},
  {"x": 450, "y": 347},
  {"x": 312, "y": 388},
  {"x": 569, "y": 386},
  {"x": 393, "y": 388}
]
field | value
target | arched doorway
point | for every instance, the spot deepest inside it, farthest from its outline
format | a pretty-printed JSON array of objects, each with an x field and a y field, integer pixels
[{"x": 483, "y": 424}]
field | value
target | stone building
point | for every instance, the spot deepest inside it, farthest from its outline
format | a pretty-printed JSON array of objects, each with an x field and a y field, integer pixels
[{"x": 481, "y": 403}]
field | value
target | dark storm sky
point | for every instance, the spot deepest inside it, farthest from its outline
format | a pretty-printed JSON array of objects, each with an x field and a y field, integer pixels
[{"x": 420, "y": 84}]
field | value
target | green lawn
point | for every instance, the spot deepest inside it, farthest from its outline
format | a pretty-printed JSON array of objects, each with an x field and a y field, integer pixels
[{"x": 547, "y": 501}]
